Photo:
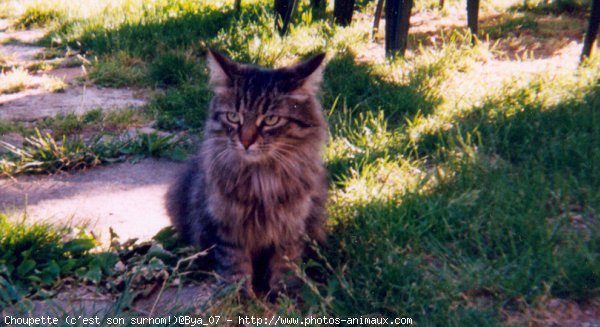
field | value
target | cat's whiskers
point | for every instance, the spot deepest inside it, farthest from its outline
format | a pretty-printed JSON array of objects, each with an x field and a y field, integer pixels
[{"x": 217, "y": 159}]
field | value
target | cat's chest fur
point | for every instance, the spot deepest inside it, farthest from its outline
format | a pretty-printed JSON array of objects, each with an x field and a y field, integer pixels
[{"x": 262, "y": 205}]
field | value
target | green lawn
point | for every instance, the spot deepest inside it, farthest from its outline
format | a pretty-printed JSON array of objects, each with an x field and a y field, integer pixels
[{"x": 448, "y": 209}]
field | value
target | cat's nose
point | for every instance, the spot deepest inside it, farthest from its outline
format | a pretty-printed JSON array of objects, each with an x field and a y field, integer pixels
[
  {"x": 247, "y": 143},
  {"x": 248, "y": 135}
]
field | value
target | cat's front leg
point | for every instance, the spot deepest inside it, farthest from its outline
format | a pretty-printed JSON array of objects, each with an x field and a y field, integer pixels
[
  {"x": 234, "y": 264},
  {"x": 281, "y": 264}
]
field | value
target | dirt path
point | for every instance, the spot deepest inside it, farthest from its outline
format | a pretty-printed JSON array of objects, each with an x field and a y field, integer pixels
[
  {"x": 34, "y": 102},
  {"x": 127, "y": 197}
]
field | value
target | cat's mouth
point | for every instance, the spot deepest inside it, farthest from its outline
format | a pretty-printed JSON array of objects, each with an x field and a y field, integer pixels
[{"x": 252, "y": 153}]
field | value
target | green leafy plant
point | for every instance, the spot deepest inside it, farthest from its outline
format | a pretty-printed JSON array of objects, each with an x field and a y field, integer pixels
[{"x": 34, "y": 257}]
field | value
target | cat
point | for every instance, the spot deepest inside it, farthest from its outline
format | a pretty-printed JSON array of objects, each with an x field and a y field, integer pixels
[{"x": 258, "y": 186}]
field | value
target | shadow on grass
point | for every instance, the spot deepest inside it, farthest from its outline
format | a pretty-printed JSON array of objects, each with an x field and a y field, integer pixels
[
  {"x": 556, "y": 7},
  {"x": 512, "y": 224},
  {"x": 158, "y": 31},
  {"x": 358, "y": 86},
  {"x": 147, "y": 37}
]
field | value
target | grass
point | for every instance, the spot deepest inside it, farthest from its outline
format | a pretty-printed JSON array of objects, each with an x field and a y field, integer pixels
[
  {"x": 35, "y": 256},
  {"x": 92, "y": 122},
  {"x": 46, "y": 154},
  {"x": 14, "y": 81},
  {"x": 446, "y": 207},
  {"x": 50, "y": 258},
  {"x": 37, "y": 16},
  {"x": 119, "y": 71},
  {"x": 18, "y": 79}
]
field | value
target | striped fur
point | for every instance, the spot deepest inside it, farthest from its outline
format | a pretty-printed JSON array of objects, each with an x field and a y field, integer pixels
[{"x": 258, "y": 185}]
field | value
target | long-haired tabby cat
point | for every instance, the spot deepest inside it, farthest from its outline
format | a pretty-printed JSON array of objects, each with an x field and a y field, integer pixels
[{"x": 258, "y": 185}]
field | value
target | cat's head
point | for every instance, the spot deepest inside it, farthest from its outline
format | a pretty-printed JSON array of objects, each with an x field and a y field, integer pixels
[{"x": 262, "y": 113}]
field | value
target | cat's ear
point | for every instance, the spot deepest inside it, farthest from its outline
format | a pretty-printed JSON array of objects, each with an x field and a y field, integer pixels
[
  {"x": 308, "y": 75},
  {"x": 221, "y": 70}
]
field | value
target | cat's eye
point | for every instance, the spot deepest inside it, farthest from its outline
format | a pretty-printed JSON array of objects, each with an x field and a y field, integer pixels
[
  {"x": 233, "y": 117},
  {"x": 271, "y": 120}
]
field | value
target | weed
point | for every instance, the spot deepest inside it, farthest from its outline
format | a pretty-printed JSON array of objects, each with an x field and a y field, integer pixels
[
  {"x": 45, "y": 154},
  {"x": 50, "y": 53},
  {"x": 18, "y": 79},
  {"x": 123, "y": 118},
  {"x": 52, "y": 84},
  {"x": 155, "y": 145},
  {"x": 6, "y": 127},
  {"x": 40, "y": 66},
  {"x": 94, "y": 120},
  {"x": 14, "y": 81}
]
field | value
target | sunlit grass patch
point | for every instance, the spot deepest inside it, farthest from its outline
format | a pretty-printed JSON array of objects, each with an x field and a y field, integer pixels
[
  {"x": 505, "y": 100},
  {"x": 14, "y": 81},
  {"x": 38, "y": 15},
  {"x": 382, "y": 179},
  {"x": 18, "y": 79},
  {"x": 40, "y": 66},
  {"x": 52, "y": 84}
]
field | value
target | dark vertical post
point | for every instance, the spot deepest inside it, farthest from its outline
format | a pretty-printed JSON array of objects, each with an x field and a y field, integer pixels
[
  {"x": 283, "y": 14},
  {"x": 441, "y": 4},
  {"x": 472, "y": 17},
  {"x": 377, "y": 17},
  {"x": 237, "y": 6},
  {"x": 397, "y": 23},
  {"x": 342, "y": 11},
  {"x": 592, "y": 32},
  {"x": 318, "y": 4}
]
